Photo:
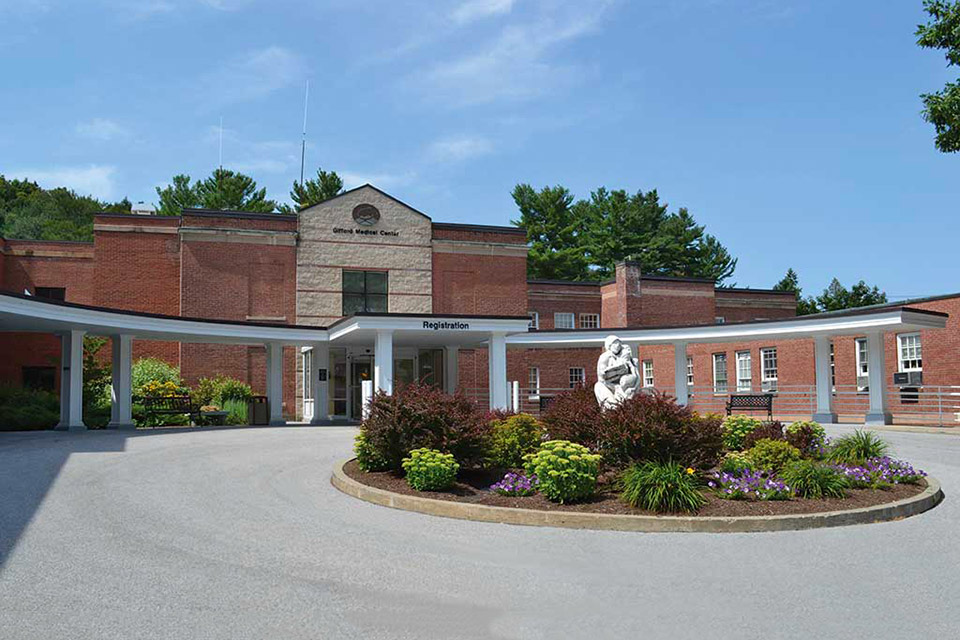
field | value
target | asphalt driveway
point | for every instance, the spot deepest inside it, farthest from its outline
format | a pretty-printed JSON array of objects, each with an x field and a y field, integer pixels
[{"x": 237, "y": 533}]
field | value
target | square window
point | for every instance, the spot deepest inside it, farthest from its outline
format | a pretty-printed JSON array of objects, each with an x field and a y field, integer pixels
[
  {"x": 648, "y": 373},
  {"x": 533, "y": 380},
  {"x": 534, "y": 320},
  {"x": 576, "y": 377},
  {"x": 51, "y": 293},
  {"x": 720, "y": 373},
  {"x": 39, "y": 378},
  {"x": 563, "y": 321},
  {"x": 910, "y": 352},
  {"x": 364, "y": 291},
  {"x": 589, "y": 320},
  {"x": 744, "y": 374},
  {"x": 353, "y": 281}
]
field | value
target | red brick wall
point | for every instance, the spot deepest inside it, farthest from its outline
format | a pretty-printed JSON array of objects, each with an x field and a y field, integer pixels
[
  {"x": 479, "y": 284},
  {"x": 676, "y": 302},
  {"x": 548, "y": 298},
  {"x": 743, "y": 305}
]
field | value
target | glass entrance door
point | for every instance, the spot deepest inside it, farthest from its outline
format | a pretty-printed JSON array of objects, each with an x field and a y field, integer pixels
[{"x": 361, "y": 368}]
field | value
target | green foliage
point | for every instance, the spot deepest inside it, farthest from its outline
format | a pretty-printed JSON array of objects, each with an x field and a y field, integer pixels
[
  {"x": 430, "y": 470},
  {"x": 584, "y": 240},
  {"x": 367, "y": 457},
  {"x": 772, "y": 455},
  {"x": 857, "y": 447},
  {"x": 219, "y": 389},
  {"x": 223, "y": 190},
  {"x": 737, "y": 462},
  {"x": 147, "y": 370},
  {"x": 30, "y": 212},
  {"x": 807, "y": 436},
  {"x": 326, "y": 185},
  {"x": 811, "y": 479},
  {"x": 942, "y": 109},
  {"x": 97, "y": 379},
  {"x": 155, "y": 377},
  {"x": 769, "y": 430},
  {"x": 236, "y": 411},
  {"x": 511, "y": 438},
  {"x": 662, "y": 487},
  {"x": 736, "y": 428},
  {"x": 834, "y": 298},
  {"x": 791, "y": 282},
  {"x": 27, "y": 409},
  {"x": 567, "y": 471}
]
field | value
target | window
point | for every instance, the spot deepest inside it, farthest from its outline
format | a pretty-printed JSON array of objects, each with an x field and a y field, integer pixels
[
  {"x": 719, "y": 320},
  {"x": 589, "y": 320},
  {"x": 648, "y": 373},
  {"x": 364, "y": 291},
  {"x": 534, "y": 320},
  {"x": 720, "y": 373},
  {"x": 39, "y": 378},
  {"x": 744, "y": 375},
  {"x": 308, "y": 375},
  {"x": 576, "y": 377},
  {"x": 533, "y": 380},
  {"x": 51, "y": 293},
  {"x": 768, "y": 368},
  {"x": 833, "y": 370},
  {"x": 863, "y": 365},
  {"x": 563, "y": 321},
  {"x": 689, "y": 371},
  {"x": 910, "y": 352}
]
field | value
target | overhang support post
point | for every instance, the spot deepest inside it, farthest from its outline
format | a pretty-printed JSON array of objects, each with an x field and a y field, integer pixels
[
  {"x": 824, "y": 384},
  {"x": 71, "y": 381},
  {"x": 497, "y": 361},
  {"x": 121, "y": 381},
  {"x": 879, "y": 411},
  {"x": 275, "y": 382}
]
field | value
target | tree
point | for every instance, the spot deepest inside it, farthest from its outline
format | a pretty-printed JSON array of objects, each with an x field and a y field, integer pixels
[
  {"x": 834, "y": 298},
  {"x": 942, "y": 109},
  {"x": 223, "y": 190},
  {"x": 326, "y": 185},
  {"x": 584, "y": 240},
  {"x": 791, "y": 282}
]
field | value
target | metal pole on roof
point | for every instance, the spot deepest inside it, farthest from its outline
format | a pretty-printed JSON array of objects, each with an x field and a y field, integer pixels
[{"x": 303, "y": 142}]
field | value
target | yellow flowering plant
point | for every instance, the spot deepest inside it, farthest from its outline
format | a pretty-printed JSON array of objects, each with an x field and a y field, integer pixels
[
  {"x": 567, "y": 471},
  {"x": 430, "y": 470}
]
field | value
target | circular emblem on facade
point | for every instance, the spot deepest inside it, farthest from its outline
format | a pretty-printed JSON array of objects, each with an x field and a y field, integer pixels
[{"x": 366, "y": 214}]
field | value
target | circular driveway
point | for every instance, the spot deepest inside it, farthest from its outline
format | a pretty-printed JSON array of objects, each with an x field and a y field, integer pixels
[{"x": 237, "y": 533}]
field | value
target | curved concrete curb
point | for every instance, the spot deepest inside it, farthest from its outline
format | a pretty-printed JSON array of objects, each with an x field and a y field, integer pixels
[{"x": 925, "y": 500}]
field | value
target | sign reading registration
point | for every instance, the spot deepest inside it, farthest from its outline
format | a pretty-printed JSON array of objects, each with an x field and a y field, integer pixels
[{"x": 440, "y": 325}]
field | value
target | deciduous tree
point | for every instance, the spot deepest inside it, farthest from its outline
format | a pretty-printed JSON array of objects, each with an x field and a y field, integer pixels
[{"x": 942, "y": 109}]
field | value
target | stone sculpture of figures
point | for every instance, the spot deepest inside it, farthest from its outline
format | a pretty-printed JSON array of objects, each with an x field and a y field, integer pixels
[{"x": 618, "y": 378}]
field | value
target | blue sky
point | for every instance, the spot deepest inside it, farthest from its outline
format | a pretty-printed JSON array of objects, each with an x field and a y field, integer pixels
[{"x": 791, "y": 128}]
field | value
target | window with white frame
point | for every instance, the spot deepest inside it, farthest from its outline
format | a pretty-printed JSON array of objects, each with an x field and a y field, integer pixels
[
  {"x": 719, "y": 320},
  {"x": 833, "y": 370},
  {"x": 589, "y": 320},
  {"x": 689, "y": 371},
  {"x": 863, "y": 364},
  {"x": 744, "y": 375},
  {"x": 909, "y": 350},
  {"x": 534, "y": 320},
  {"x": 308, "y": 375},
  {"x": 720, "y": 373},
  {"x": 648, "y": 373},
  {"x": 768, "y": 368},
  {"x": 576, "y": 376},
  {"x": 533, "y": 380},
  {"x": 563, "y": 321}
]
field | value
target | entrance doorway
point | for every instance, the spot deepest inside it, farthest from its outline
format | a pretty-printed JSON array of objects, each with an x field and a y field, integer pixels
[{"x": 361, "y": 368}]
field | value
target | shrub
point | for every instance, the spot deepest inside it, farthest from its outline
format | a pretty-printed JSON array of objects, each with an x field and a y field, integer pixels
[
  {"x": 236, "y": 412},
  {"x": 772, "y": 455},
  {"x": 661, "y": 487},
  {"x": 811, "y": 479},
  {"x": 736, "y": 462},
  {"x": 736, "y": 428},
  {"x": 653, "y": 427},
  {"x": 857, "y": 447},
  {"x": 516, "y": 485},
  {"x": 573, "y": 415},
  {"x": 766, "y": 431},
  {"x": 511, "y": 438},
  {"x": 418, "y": 416},
  {"x": 879, "y": 473},
  {"x": 367, "y": 457},
  {"x": 430, "y": 470},
  {"x": 807, "y": 436},
  {"x": 27, "y": 409},
  {"x": 567, "y": 471},
  {"x": 219, "y": 389},
  {"x": 154, "y": 370},
  {"x": 750, "y": 485}
]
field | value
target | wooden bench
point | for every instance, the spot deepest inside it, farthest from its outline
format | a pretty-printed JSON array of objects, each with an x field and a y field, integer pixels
[
  {"x": 170, "y": 405},
  {"x": 751, "y": 402}
]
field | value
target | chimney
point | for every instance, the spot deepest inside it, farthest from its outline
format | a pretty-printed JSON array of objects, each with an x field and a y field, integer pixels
[{"x": 621, "y": 298}]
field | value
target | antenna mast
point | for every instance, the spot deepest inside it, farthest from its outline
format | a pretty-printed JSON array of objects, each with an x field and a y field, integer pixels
[{"x": 303, "y": 142}]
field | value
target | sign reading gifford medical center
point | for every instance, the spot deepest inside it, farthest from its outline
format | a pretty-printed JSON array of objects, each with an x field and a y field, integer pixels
[{"x": 439, "y": 325}]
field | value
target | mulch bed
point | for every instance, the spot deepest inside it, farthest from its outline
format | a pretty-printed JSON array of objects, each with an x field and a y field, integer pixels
[{"x": 472, "y": 488}]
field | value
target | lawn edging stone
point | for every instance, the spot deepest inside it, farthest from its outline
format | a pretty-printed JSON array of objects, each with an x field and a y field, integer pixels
[{"x": 927, "y": 499}]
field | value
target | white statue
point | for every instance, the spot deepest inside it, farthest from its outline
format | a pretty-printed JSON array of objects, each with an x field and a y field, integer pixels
[{"x": 618, "y": 378}]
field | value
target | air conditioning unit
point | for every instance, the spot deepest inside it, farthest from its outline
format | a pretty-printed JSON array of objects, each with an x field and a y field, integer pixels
[
  {"x": 908, "y": 379},
  {"x": 769, "y": 386}
]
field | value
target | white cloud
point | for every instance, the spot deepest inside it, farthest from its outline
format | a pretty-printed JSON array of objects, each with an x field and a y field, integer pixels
[
  {"x": 458, "y": 148},
  {"x": 478, "y": 9},
  {"x": 254, "y": 75},
  {"x": 102, "y": 129},
  {"x": 93, "y": 180},
  {"x": 518, "y": 63}
]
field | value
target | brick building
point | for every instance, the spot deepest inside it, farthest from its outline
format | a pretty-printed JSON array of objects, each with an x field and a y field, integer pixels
[{"x": 366, "y": 252}]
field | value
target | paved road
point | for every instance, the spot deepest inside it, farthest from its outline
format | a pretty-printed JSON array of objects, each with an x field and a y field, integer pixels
[{"x": 238, "y": 534}]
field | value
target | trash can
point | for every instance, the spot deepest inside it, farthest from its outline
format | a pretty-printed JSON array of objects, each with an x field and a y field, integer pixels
[{"x": 258, "y": 410}]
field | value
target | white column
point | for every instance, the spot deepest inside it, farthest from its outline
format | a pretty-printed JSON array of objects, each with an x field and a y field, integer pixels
[
  {"x": 71, "y": 381},
  {"x": 824, "y": 386},
  {"x": 879, "y": 412},
  {"x": 451, "y": 368},
  {"x": 319, "y": 382},
  {"x": 497, "y": 360},
  {"x": 121, "y": 391},
  {"x": 275, "y": 382},
  {"x": 366, "y": 397},
  {"x": 680, "y": 373},
  {"x": 383, "y": 361},
  {"x": 515, "y": 396}
]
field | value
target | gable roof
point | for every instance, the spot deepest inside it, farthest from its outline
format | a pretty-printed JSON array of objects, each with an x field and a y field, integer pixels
[{"x": 368, "y": 186}]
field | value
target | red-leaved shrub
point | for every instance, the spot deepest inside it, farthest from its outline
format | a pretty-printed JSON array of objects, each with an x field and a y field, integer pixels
[
  {"x": 573, "y": 415},
  {"x": 421, "y": 416}
]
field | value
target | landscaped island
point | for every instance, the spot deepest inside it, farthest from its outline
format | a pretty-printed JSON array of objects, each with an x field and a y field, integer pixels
[{"x": 647, "y": 456}]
